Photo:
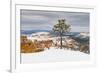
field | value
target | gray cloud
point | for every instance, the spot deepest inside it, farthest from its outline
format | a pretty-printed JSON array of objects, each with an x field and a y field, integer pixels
[{"x": 32, "y": 19}]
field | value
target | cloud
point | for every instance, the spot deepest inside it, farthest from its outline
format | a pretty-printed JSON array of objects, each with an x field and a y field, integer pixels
[{"x": 33, "y": 19}]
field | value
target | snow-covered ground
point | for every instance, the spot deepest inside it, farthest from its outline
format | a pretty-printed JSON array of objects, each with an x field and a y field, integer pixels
[{"x": 53, "y": 55}]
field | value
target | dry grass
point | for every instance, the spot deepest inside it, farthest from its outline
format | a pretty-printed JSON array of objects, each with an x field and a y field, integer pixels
[{"x": 27, "y": 46}]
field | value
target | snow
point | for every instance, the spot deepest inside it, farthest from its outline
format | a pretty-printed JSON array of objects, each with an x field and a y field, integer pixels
[
  {"x": 83, "y": 35},
  {"x": 39, "y": 36},
  {"x": 53, "y": 55}
]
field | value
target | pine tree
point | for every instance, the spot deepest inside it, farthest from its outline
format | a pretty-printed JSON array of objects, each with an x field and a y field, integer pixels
[{"x": 60, "y": 28}]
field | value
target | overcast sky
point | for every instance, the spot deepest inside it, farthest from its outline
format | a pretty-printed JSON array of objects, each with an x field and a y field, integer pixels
[{"x": 45, "y": 20}]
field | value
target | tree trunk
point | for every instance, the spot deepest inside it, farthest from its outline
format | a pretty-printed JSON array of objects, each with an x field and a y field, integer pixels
[{"x": 61, "y": 40}]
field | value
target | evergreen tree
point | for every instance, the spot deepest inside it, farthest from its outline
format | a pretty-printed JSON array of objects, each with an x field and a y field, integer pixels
[{"x": 60, "y": 28}]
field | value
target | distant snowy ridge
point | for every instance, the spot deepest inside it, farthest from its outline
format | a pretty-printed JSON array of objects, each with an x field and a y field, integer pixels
[
  {"x": 40, "y": 33},
  {"x": 83, "y": 35},
  {"x": 40, "y": 36}
]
